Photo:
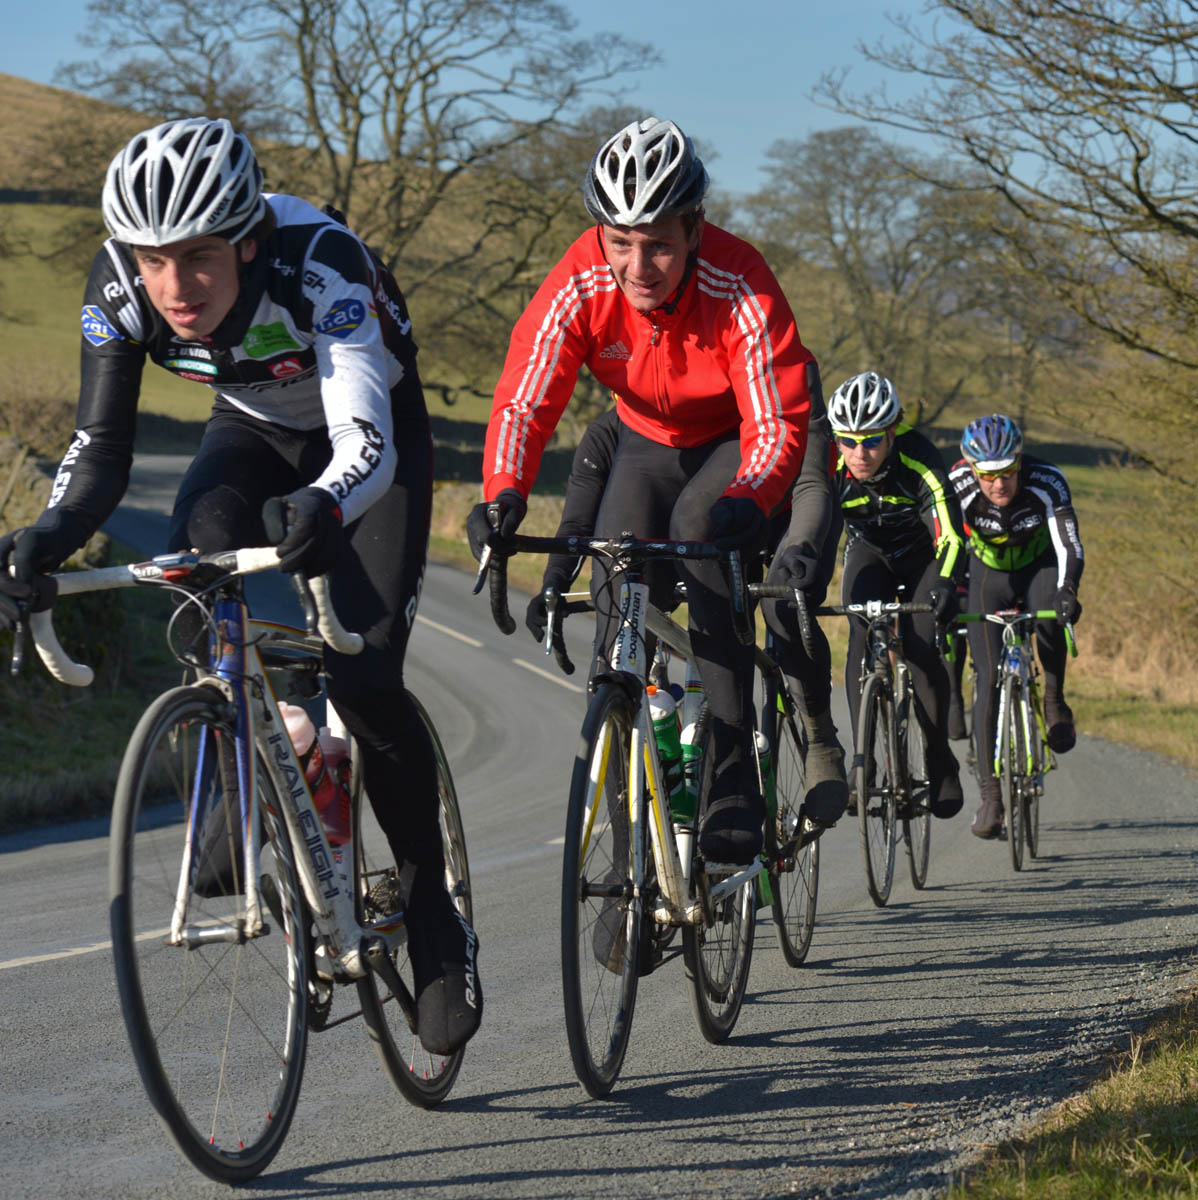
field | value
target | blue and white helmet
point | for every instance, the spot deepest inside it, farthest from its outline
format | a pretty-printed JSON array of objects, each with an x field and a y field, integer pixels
[
  {"x": 183, "y": 179},
  {"x": 645, "y": 173},
  {"x": 866, "y": 401},
  {"x": 992, "y": 443}
]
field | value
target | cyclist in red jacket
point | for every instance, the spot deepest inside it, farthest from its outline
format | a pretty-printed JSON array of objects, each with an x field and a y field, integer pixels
[{"x": 687, "y": 325}]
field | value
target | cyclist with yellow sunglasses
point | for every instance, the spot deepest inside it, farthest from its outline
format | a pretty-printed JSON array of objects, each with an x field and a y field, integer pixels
[
  {"x": 903, "y": 527},
  {"x": 1025, "y": 550}
]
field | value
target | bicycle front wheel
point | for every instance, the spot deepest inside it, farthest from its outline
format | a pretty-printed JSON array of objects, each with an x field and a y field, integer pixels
[
  {"x": 875, "y": 786},
  {"x": 917, "y": 815},
  {"x": 216, "y": 1020},
  {"x": 602, "y": 899},
  {"x": 794, "y": 866},
  {"x": 424, "y": 1078},
  {"x": 1031, "y": 800},
  {"x": 1013, "y": 756},
  {"x": 717, "y": 956}
]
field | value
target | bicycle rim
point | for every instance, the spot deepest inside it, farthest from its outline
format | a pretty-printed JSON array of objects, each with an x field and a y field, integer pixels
[
  {"x": 917, "y": 818},
  {"x": 601, "y": 917},
  {"x": 1014, "y": 766},
  {"x": 875, "y": 790},
  {"x": 217, "y": 1029},
  {"x": 424, "y": 1078},
  {"x": 717, "y": 959},
  {"x": 794, "y": 870}
]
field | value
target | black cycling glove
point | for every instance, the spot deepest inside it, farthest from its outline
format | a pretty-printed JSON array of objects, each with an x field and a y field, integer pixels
[
  {"x": 796, "y": 567},
  {"x": 43, "y": 546},
  {"x": 511, "y": 508},
  {"x": 536, "y": 617},
  {"x": 1068, "y": 606},
  {"x": 306, "y": 527},
  {"x": 944, "y": 602},
  {"x": 737, "y": 523}
]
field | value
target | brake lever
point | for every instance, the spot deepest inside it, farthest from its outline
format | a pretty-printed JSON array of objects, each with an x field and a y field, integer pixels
[{"x": 20, "y": 631}]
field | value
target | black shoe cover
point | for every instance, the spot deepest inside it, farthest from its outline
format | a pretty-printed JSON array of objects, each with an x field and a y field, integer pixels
[
  {"x": 444, "y": 953},
  {"x": 732, "y": 830}
]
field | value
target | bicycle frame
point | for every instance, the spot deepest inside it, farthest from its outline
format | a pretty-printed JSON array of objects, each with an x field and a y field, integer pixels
[
  {"x": 671, "y": 844},
  {"x": 237, "y": 672},
  {"x": 1018, "y": 660}
]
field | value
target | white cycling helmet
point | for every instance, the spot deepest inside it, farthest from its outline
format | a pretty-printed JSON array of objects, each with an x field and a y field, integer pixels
[
  {"x": 646, "y": 172},
  {"x": 867, "y": 401},
  {"x": 183, "y": 179}
]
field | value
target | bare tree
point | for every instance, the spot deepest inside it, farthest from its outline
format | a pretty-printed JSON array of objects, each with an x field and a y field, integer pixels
[
  {"x": 452, "y": 133},
  {"x": 1083, "y": 118},
  {"x": 909, "y": 281}
]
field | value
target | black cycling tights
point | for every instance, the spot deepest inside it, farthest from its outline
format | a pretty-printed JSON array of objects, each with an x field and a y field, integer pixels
[
  {"x": 870, "y": 576},
  {"x": 241, "y": 463},
  {"x": 1032, "y": 587},
  {"x": 657, "y": 491}
]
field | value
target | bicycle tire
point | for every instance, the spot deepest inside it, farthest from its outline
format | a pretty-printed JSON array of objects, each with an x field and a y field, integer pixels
[
  {"x": 794, "y": 868},
  {"x": 717, "y": 957},
  {"x": 1031, "y": 805},
  {"x": 221, "y": 1070},
  {"x": 423, "y": 1078},
  {"x": 917, "y": 815},
  {"x": 875, "y": 787},
  {"x": 601, "y": 898},
  {"x": 1013, "y": 756}
]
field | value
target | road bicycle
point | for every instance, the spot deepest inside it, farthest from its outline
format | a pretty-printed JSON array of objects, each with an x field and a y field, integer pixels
[
  {"x": 632, "y": 872},
  {"x": 233, "y": 918},
  {"x": 1022, "y": 755},
  {"x": 890, "y": 781}
]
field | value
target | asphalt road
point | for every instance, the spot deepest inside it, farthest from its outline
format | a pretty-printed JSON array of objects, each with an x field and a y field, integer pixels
[{"x": 913, "y": 1036}]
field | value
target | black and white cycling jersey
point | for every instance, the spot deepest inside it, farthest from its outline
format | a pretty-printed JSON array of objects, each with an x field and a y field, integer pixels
[{"x": 319, "y": 337}]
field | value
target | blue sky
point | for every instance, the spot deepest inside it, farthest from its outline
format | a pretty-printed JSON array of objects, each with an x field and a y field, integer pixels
[{"x": 736, "y": 76}]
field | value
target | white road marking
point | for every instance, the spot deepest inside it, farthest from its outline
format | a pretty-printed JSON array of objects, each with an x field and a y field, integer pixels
[
  {"x": 573, "y": 687},
  {"x": 453, "y": 633}
]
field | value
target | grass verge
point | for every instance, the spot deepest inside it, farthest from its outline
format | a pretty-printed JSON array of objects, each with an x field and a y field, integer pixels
[{"x": 1134, "y": 1134}]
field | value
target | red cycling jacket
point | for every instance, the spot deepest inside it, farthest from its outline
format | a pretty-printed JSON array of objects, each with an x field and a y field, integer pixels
[{"x": 727, "y": 356}]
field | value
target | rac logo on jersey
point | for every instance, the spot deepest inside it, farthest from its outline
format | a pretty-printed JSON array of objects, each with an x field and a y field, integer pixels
[
  {"x": 96, "y": 327},
  {"x": 616, "y": 350},
  {"x": 343, "y": 317}
]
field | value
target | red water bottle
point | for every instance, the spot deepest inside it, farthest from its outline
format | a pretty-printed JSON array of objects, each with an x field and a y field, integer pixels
[{"x": 325, "y": 760}]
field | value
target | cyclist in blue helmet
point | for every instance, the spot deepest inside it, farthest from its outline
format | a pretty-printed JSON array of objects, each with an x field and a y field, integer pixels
[{"x": 1024, "y": 548}]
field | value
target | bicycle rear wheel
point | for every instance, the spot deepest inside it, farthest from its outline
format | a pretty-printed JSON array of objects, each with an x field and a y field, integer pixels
[
  {"x": 875, "y": 786},
  {"x": 602, "y": 900},
  {"x": 794, "y": 867},
  {"x": 917, "y": 815},
  {"x": 217, "y": 1024},
  {"x": 717, "y": 956},
  {"x": 1013, "y": 756},
  {"x": 424, "y": 1078}
]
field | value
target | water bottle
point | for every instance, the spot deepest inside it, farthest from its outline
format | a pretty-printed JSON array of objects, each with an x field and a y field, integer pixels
[
  {"x": 663, "y": 710},
  {"x": 765, "y": 761},
  {"x": 692, "y": 753},
  {"x": 329, "y": 794}
]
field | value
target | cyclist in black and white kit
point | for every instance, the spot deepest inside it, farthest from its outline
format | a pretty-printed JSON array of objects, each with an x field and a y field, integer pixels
[
  {"x": 318, "y": 441},
  {"x": 1024, "y": 549}
]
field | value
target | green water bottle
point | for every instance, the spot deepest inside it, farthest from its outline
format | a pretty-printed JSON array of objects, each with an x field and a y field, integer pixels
[{"x": 664, "y": 713}]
